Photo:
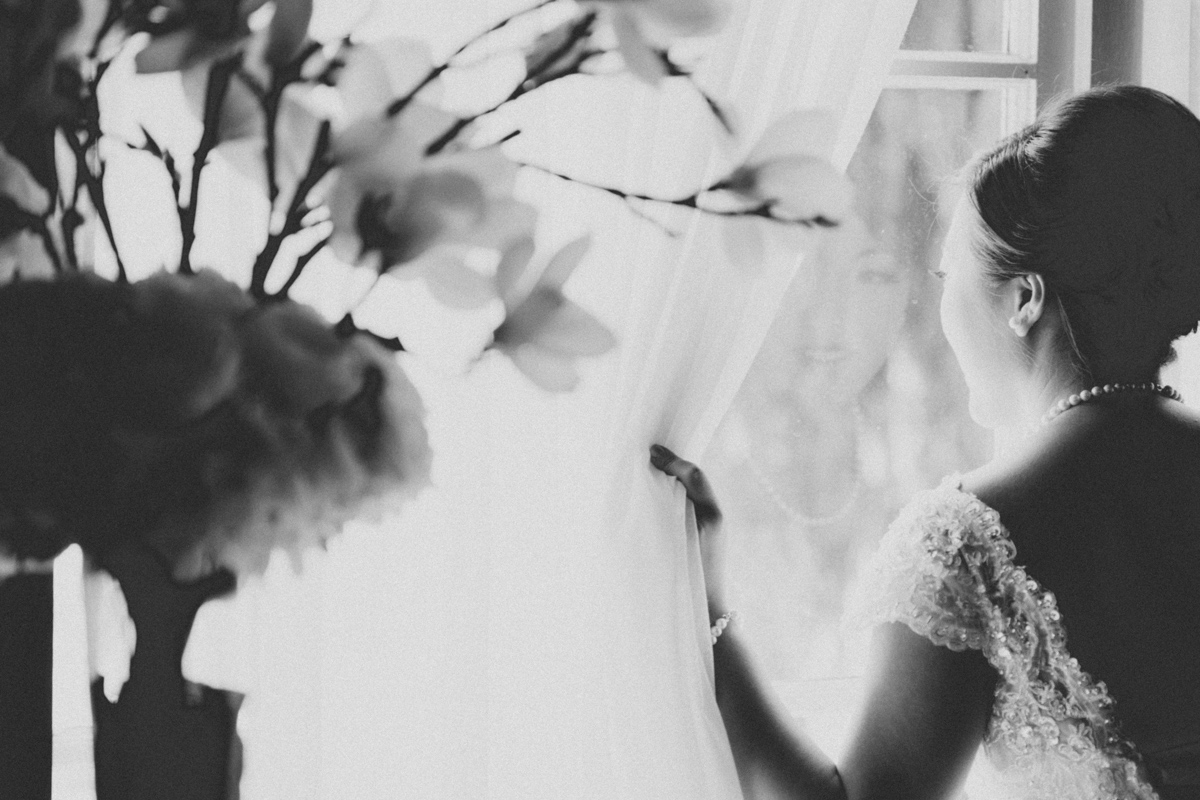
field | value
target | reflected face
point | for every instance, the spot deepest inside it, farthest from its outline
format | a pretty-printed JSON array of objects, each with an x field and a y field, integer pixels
[
  {"x": 976, "y": 326},
  {"x": 842, "y": 315}
]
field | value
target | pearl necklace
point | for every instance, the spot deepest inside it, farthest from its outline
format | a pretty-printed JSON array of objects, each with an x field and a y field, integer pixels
[
  {"x": 796, "y": 515},
  {"x": 1108, "y": 388}
]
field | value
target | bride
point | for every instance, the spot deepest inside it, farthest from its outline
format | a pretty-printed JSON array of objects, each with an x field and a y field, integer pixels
[{"x": 1070, "y": 267}]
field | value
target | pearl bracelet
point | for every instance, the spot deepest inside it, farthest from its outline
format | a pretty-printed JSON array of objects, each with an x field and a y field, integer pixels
[{"x": 719, "y": 626}]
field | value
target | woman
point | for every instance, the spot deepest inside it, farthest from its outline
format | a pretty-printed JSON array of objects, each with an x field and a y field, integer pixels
[
  {"x": 847, "y": 371},
  {"x": 1070, "y": 267},
  {"x": 807, "y": 515}
]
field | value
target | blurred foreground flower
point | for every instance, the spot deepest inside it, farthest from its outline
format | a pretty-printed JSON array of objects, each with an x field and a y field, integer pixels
[
  {"x": 644, "y": 28},
  {"x": 179, "y": 413},
  {"x": 399, "y": 208},
  {"x": 544, "y": 332}
]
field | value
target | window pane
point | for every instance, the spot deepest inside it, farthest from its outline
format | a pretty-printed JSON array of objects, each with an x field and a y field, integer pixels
[
  {"x": 854, "y": 403},
  {"x": 978, "y": 26}
]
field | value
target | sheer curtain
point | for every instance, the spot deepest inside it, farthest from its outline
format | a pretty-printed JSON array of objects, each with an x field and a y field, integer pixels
[{"x": 533, "y": 625}]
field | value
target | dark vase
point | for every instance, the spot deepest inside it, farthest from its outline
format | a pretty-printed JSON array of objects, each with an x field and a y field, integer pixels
[
  {"x": 164, "y": 737},
  {"x": 26, "y": 627}
]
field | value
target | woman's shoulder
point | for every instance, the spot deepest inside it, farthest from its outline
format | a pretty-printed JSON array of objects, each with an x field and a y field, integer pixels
[
  {"x": 1096, "y": 461},
  {"x": 935, "y": 565}
]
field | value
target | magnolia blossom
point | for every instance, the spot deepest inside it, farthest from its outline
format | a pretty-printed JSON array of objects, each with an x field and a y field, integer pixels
[
  {"x": 398, "y": 209},
  {"x": 788, "y": 170},
  {"x": 543, "y": 332},
  {"x": 644, "y": 27}
]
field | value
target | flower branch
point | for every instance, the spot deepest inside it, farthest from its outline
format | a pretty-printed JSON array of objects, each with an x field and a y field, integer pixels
[
  {"x": 219, "y": 77},
  {"x": 301, "y": 263},
  {"x": 298, "y": 208},
  {"x": 764, "y": 209},
  {"x": 270, "y": 99},
  {"x": 94, "y": 183},
  {"x": 578, "y": 31},
  {"x": 402, "y": 102}
]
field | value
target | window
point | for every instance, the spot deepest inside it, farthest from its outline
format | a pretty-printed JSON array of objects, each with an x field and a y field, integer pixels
[{"x": 855, "y": 401}]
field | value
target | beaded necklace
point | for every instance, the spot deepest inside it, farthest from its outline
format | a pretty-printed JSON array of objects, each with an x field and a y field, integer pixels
[{"x": 1109, "y": 388}]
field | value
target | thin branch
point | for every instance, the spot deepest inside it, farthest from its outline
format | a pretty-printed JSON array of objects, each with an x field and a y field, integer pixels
[
  {"x": 692, "y": 202},
  {"x": 95, "y": 189},
  {"x": 219, "y": 77},
  {"x": 301, "y": 263},
  {"x": 401, "y": 103},
  {"x": 270, "y": 100},
  {"x": 675, "y": 70},
  {"x": 293, "y": 220},
  {"x": 580, "y": 30}
]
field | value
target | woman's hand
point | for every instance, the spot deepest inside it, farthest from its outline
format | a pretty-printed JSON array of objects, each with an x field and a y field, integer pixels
[{"x": 708, "y": 519}]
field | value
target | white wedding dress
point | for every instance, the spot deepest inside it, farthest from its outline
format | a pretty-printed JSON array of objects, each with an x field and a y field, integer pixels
[{"x": 948, "y": 569}]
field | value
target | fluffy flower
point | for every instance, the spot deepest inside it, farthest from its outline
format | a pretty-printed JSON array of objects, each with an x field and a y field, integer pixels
[
  {"x": 177, "y": 412},
  {"x": 543, "y": 332},
  {"x": 788, "y": 169},
  {"x": 186, "y": 33},
  {"x": 392, "y": 205},
  {"x": 643, "y": 28}
]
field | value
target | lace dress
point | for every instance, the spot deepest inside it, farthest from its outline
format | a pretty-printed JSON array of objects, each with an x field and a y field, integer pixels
[{"x": 946, "y": 569}]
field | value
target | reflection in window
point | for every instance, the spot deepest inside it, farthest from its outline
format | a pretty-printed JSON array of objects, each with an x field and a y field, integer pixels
[
  {"x": 979, "y": 26},
  {"x": 854, "y": 403}
]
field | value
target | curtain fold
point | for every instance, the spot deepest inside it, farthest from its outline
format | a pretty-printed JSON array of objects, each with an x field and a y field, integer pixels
[{"x": 693, "y": 322}]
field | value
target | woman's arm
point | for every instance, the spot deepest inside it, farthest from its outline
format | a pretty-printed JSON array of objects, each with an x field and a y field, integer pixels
[{"x": 926, "y": 710}]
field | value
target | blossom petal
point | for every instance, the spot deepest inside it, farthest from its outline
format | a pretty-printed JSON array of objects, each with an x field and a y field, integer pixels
[
  {"x": 564, "y": 263},
  {"x": 178, "y": 50},
  {"x": 378, "y": 73},
  {"x": 504, "y": 221},
  {"x": 685, "y": 17},
  {"x": 456, "y": 285},
  {"x": 289, "y": 28},
  {"x": 639, "y": 56},
  {"x": 572, "y": 331},
  {"x": 514, "y": 262},
  {"x": 550, "y": 371}
]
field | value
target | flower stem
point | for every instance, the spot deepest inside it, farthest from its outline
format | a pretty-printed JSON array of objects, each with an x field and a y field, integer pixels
[
  {"x": 293, "y": 220},
  {"x": 580, "y": 30},
  {"x": 270, "y": 99},
  {"x": 301, "y": 263},
  {"x": 400, "y": 103},
  {"x": 692, "y": 201},
  {"x": 219, "y": 78},
  {"x": 95, "y": 189}
]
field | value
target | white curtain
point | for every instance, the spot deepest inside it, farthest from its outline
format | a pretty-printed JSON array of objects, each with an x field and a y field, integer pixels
[
  {"x": 691, "y": 325},
  {"x": 534, "y": 626}
]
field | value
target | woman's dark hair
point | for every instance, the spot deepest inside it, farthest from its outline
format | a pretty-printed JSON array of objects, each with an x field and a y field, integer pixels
[{"x": 1101, "y": 197}]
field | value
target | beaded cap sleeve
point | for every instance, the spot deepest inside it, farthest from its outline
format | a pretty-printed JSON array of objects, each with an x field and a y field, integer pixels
[{"x": 946, "y": 569}]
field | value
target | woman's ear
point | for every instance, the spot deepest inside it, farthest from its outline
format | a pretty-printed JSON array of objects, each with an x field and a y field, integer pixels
[{"x": 1028, "y": 301}]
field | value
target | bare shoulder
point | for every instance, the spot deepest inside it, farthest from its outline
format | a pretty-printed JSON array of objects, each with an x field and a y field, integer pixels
[{"x": 1098, "y": 456}]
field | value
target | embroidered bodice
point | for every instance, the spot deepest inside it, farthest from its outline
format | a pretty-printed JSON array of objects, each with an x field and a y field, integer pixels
[{"x": 946, "y": 569}]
